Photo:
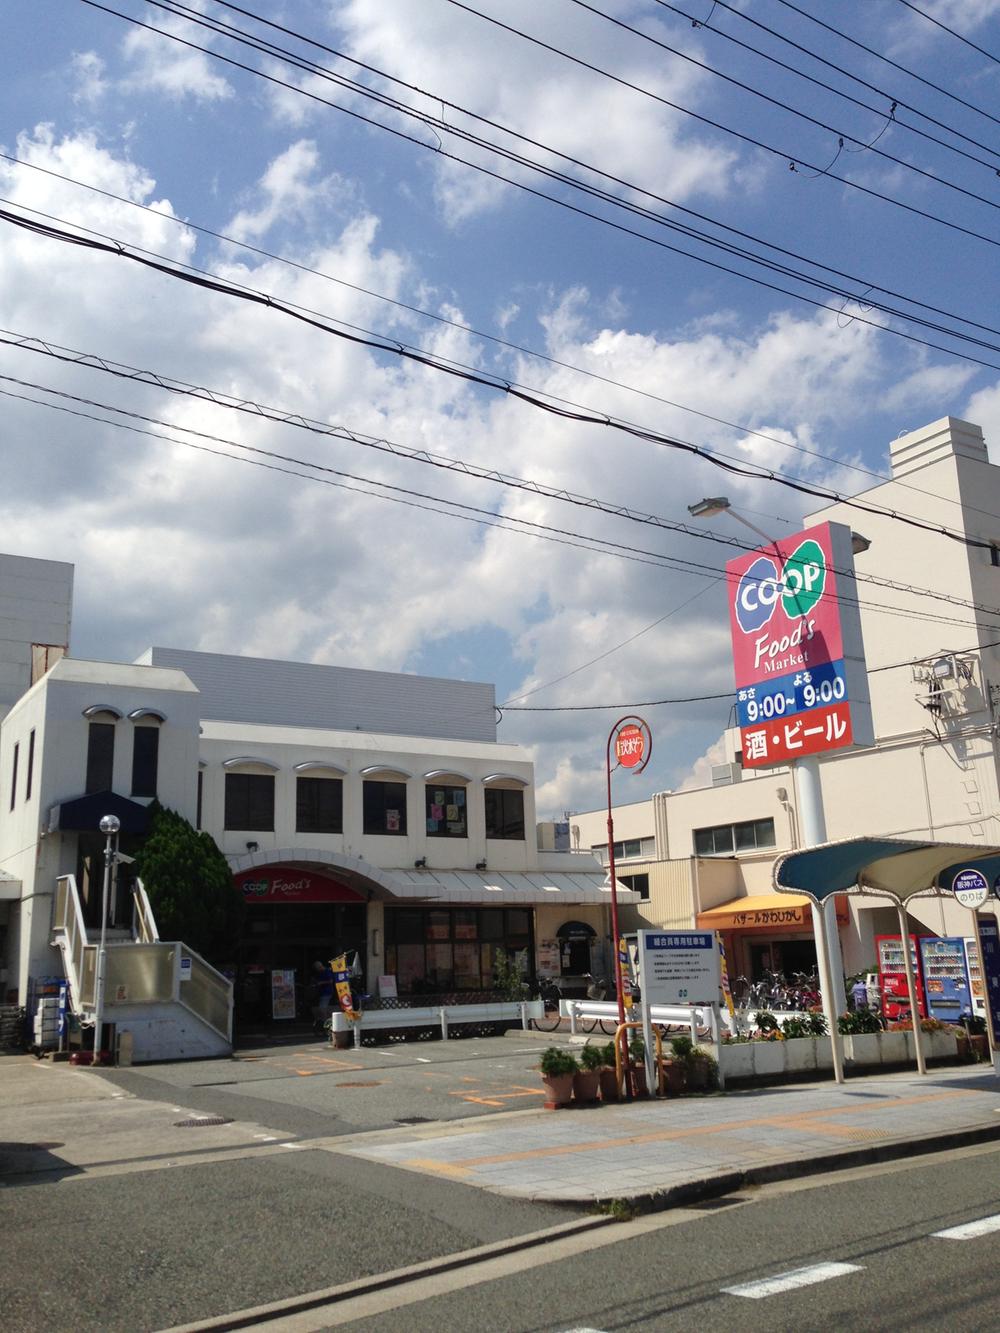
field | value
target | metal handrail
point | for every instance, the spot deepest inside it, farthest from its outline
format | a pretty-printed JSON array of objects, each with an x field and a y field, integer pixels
[
  {"x": 144, "y": 927},
  {"x": 79, "y": 956}
]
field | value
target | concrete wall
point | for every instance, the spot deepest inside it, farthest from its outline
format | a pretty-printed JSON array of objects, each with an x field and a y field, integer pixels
[{"x": 35, "y": 607}]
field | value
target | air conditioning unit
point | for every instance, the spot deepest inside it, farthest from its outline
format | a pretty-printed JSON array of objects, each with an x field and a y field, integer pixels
[{"x": 723, "y": 775}]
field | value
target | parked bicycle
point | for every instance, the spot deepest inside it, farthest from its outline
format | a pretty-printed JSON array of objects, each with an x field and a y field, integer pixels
[{"x": 550, "y": 992}]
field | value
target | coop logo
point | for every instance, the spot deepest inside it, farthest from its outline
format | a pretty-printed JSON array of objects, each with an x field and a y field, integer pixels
[
  {"x": 798, "y": 587},
  {"x": 255, "y": 888}
]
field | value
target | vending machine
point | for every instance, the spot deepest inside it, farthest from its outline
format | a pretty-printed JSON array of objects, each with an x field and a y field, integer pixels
[
  {"x": 975, "y": 976},
  {"x": 947, "y": 989},
  {"x": 892, "y": 976}
]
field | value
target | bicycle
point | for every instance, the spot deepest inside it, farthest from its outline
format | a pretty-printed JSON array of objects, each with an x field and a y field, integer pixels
[{"x": 550, "y": 995}]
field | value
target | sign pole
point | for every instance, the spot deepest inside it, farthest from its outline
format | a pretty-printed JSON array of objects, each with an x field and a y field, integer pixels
[{"x": 633, "y": 745}]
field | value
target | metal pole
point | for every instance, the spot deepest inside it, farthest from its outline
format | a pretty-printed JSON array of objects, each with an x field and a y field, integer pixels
[
  {"x": 620, "y": 990},
  {"x": 911, "y": 987},
  {"x": 991, "y": 1045},
  {"x": 812, "y": 831},
  {"x": 109, "y": 826}
]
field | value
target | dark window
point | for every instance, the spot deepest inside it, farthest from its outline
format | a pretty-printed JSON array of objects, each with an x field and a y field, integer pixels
[
  {"x": 31, "y": 765},
  {"x": 250, "y": 801},
  {"x": 100, "y": 756},
  {"x": 201, "y": 786},
  {"x": 638, "y": 882},
  {"x": 995, "y": 555},
  {"x": 385, "y": 807},
  {"x": 13, "y": 777},
  {"x": 145, "y": 755},
  {"x": 319, "y": 805},
  {"x": 434, "y": 949},
  {"x": 724, "y": 839},
  {"x": 447, "y": 812},
  {"x": 505, "y": 814}
]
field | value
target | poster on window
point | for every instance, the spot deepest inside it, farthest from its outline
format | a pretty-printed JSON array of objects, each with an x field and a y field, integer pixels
[
  {"x": 392, "y": 821},
  {"x": 283, "y": 992}
]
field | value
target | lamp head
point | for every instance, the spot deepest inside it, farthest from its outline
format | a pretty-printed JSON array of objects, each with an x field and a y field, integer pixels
[
  {"x": 709, "y": 507},
  {"x": 109, "y": 825}
]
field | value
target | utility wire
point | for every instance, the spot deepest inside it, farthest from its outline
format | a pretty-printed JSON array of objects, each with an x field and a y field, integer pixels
[
  {"x": 490, "y": 516},
  {"x": 892, "y": 99},
  {"x": 951, "y": 31},
  {"x": 776, "y": 101},
  {"x": 879, "y": 55},
  {"x": 520, "y": 348},
  {"x": 485, "y": 380}
]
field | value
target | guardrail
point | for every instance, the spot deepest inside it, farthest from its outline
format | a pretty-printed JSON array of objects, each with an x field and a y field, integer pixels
[
  {"x": 697, "y": 1017},
  {"x": 143, "y": 921},
  {"x": 79, "y": 957},
  {"x": 436, "y": 1016}
]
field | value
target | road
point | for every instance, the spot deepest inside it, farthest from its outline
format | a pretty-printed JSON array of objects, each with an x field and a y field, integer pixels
[{"x": 678, "y": 1270}]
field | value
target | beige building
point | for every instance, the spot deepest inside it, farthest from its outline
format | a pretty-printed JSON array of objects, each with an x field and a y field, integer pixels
[{"x": 930, "y": 608}]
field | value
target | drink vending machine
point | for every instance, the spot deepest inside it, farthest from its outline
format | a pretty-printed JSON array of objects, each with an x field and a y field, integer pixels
[
  {"x": 976, "y": 982},
  {"x": 947, "y": 992},
  {"x": 892, "y": 976}
]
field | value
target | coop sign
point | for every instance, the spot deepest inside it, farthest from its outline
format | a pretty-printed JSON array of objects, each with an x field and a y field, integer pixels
[{"x": 801, "y": 684}]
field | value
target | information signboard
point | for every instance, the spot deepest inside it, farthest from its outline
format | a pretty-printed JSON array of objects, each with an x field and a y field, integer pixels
[
  {"x": 801, "y": 684},
  {"x": 971, "y": 888},
  {"x": 989, "y": 953},
  {"x": 679, "y": 967}
]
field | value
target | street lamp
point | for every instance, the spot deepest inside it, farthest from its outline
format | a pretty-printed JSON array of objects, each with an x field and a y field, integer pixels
[
  {"x": 109, "y": 826},
  {"x": 711, "y": 506}
]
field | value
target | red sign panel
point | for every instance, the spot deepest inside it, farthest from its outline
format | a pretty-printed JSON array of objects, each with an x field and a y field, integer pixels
[
  {"x": 289, "y": 884},
  {"x": 787, "y": 738},
  {"x": 630, "y": 745}
]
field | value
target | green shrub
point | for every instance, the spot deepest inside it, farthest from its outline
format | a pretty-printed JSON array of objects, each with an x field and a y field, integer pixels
[
  {"x": 556, "y": 1060},
  {"x": 856, "y": 1022},
  {"x": 594, "y": 1057},
  {"x": 683, "y": 1047},
  {"x": 766, "y": 1021}
]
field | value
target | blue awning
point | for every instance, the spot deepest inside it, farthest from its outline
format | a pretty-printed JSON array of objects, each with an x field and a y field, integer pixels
[
  {"x": 84, "y": 814},
  {"x": 897, "y": 867}
]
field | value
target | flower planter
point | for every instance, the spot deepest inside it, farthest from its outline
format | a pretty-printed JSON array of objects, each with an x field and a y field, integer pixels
[
  {"x": 980, "y": 1046},
  {"x": 894, "y": 1048},
  {"x": 639, "y": 1087},
  {"x": 800, "y": 1055},
  {"x": 676, "y": 1074},
  {"x": 736, "y": 1060},
  {"x": 768, "y": 1057},
  {"x": 559, "y": 1090},
  {"x": 585, "y": 1086},
  {"x": 609, "y": 1085},
  {"x": 863, "y": 1048},
  {"x": 698, "y": 1073}
]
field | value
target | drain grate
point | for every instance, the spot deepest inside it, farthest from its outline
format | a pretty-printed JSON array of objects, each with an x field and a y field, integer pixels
[
  {"x": 710, "y": 1205},
  {"x": 413, "y": 1120},
  {"x": 357, "y": 1085},
  {"x": 200, "y": 1121}
]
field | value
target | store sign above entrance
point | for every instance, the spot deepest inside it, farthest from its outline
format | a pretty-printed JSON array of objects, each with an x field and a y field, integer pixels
[
  {"x": 801, "y": 682},
  {"x": 289, "y": 884}
]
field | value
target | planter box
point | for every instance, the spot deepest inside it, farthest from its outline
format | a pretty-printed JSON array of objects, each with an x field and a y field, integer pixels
[
  {"x": 800, "y": 1055},
  {"x": 864, "y": 1048},
  {"x": 895, "y": 1048},
  {"x": 736, "y": 1060},
  {"x": 768, "y": 1057}
]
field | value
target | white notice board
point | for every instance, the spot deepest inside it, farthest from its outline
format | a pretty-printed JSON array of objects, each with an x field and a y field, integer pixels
[{"x": 679, "y": 967}]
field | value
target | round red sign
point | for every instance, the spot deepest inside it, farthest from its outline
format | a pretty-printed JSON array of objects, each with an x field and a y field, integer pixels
[{"x": 630, "y": 746}]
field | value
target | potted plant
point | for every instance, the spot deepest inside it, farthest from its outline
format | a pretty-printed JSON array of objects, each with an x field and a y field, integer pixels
[
  {"x": 557, "y": 1068},
  {"x": 675, "y": 1067},
  {"x": 588, "y": 1079},
  {"x": 979, "y": 1042},
  {"x": 637, "y": 1065},
  {"x": 607, "y": 1075}
]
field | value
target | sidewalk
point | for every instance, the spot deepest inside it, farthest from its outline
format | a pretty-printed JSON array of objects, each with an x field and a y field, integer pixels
[{"x": 656, "y": 1154}]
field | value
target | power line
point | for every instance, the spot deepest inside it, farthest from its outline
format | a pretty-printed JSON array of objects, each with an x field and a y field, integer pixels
[
  {"x": 520, "y": 348},
  {"x": 493, "y": 382},
  {"x": 439, "y": 126},
  {"x": 951, "y": 31},
  {"x": 894, "y": 99},
  {"x": 777, "y": 102},
  {"x": 683, "y": 564},
  {"x": 879, "y": 55}
]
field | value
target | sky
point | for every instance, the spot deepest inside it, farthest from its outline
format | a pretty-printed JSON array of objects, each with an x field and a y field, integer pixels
[{"x": 464, "y": 278}]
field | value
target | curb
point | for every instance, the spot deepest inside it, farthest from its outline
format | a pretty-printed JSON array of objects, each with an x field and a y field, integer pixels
[
  {"x": 729, "y": 1182},
  {"x": 312, "y": 1300}
]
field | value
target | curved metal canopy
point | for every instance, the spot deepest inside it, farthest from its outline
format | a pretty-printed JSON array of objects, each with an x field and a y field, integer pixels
[{"x": 897, "y": 867}]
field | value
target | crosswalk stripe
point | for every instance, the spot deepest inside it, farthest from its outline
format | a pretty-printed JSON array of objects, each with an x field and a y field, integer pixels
[
  {"x": 969, "y": 1230},
  {"x": 796, "y": 1277}
]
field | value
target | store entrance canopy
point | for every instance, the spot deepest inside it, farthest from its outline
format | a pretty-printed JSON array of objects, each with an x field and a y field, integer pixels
[
  {"x": 895, "y": 867},
  {"x": 761, "y": 911}
]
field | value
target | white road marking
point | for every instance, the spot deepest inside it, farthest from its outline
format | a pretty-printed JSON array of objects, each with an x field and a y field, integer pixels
[
  {"x": 797, "y": 1277},
  {"x": 293, "y": 1145},
  {"x": 267, "y": 1138},
  {"x": 969, "y": 1230},
  {"x": 423, "y": 1060}
]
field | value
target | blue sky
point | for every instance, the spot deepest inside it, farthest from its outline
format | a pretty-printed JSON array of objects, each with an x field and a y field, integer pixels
[{"x": 182, "y": 547}]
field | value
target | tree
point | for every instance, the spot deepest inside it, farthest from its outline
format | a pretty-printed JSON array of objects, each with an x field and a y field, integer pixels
[{"x": 190, "y": 886}]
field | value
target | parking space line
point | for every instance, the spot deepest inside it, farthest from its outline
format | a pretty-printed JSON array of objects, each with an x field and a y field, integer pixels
[
  {"x": 792, "y": 1280},
  {"x": 970, "y": 1230}
]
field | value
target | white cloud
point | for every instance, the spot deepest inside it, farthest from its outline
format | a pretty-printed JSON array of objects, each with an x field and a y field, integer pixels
[
  {"x": 157, "y": 63},
  {"x": 291, "y": 192},
  {"x": 88, "y": 71}
]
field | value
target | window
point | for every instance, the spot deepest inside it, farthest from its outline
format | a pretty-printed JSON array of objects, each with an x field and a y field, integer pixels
[
  {"x": 505, "y": 814},
  {"x": 31, "y": 765},
  {"x": 145, "y": 755},
  {"x": 319, "y": 805},
  {"x": 447, "y": 812},
  {"x": 725, "y": 839},
  {"x": 638, "y": 882},
  {"x": 100, "y": 757},
  {"x": 994, "y": 554},
  {"x": 250, "y": 801},
  {"x": 385, "y": 807},
  {"x": 13, "y": 777},
  {"x": 630, "y": 849},
  {"x": 431, "y": 950}
]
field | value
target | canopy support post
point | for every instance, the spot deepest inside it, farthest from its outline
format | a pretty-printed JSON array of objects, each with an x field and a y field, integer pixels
[{"x": 911, "y": 986}]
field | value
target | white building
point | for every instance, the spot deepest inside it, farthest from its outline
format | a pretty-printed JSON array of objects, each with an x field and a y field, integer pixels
[
  {"x": 359, "y": 810},
  {"x": 704, "y": 856}
]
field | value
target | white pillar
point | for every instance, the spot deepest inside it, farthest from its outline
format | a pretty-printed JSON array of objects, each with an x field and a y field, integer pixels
[
  {"x": 911, "y": 987},
  {"x": 812, "y": 831}
]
